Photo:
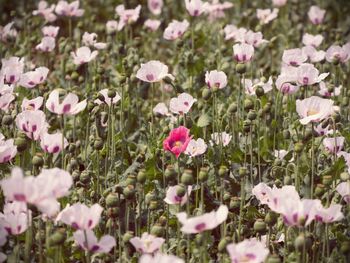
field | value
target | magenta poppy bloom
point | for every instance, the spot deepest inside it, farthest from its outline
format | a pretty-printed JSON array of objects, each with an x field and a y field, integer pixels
[{"x": 177, "y": 141}]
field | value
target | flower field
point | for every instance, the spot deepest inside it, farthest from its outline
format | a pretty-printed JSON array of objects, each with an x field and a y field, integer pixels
[{"x": 159, "y": 131}]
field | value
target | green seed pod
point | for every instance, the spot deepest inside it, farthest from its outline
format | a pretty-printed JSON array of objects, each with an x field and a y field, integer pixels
[
  {"x": 141, "y": 176},
  {"x": 187, "y": 177},
  {"x": 286, "y": 134},
  {"x": 84, "y": 177},
  {"x": 149, "y": 197},
  {"x": 7, "y": 120},
  {"x": 206, "y": 94},
  {"x": 170, "y": 173},
  {"x": 248, "y": 104},
  {"x": 345, "y": 101},
  {"x": 271, "y": 218},
  {"x": 203, "y": 174},
  {"x": 98, "y": 144},
  {"x": 319, "y": 190},
  {"x": 243, "y": 171},
  {"x": 127, "y": 236},
  {"x": 344, "y": 176},
  {"x": 180, "y": 190},
  {"x": 302, "y": 241},
  {"x": 74, "y": 75},
  {"x": 157, "y": 230},
  {"x": 252, "y": 115},
  {"x": 235, "y": 203},
  {"x": 162, "y": 220},
  {"x": 327, "y": 180},
  {"x": 308, "y": 134},
  {"x": 232, "y": 108},
  {"x": 259, "y": 226},
  {"x": 58, "y": 237},
  {"x": 259, "y": 91},
  {"x": 223, "y": 243},
  {"x": 38, "y": 160},
  {"x": 113, "y": 212},
  {"x": 130, "y": 180},
  {"x": 345, "y": 247},
  {"x": 153, "y": 205},
  {"x": 241, "y": 68},
  {"x": 298, "y": 147},
  {"x": 21, "y": 144},
  {"x": 223, "y": 171},
  {"x": 112, "y": 200},
  {"x": 129, "y": 192},
  {"x": 111, "y": 93},
  {"x": 287, "y": 180}
]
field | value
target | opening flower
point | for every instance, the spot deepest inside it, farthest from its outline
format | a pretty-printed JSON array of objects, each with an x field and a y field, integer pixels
[
  {"x": 147, "y": 244},
  {"x": 182, "y": 104},
  {"x": 177, "y": 141},
  {"x": 173, "y": 199},
  {"x": 249, "y": 251},
  {"x": 88, "y": 241},
  {"x": 153, "y": 71},
  {"x": 69, "y": 106},
  {"x": 216, "y": 79},
  {"x": 175, "y": 29}
]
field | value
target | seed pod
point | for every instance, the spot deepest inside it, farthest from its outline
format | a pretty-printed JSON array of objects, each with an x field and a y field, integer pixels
[
  {"x": 271, "y": 218},
  {"x": 203, "y": 174},
  {"x": 232, "y": 108},
  {"x": 187, "y": 177},
  {"x": 259, "y": 91},
  {"x": 248, "y": 104},
  {"x": 223, "y": 243},
  {"x": 21, "y": 144},
  {"x": 170, "y": 173},
  {"x": 206, "y": 94},
  {"x": 129, "y": 192},
  {"x": 242, "y": 171},
  {"x": 241, "y": 68},
  {"x": 141, "y": 176},
  {"x": 127, "y": 236},
  {"x": 223, "y": 171},
  {"x": 302, "y": 241},
  {"x": 298, "y": 147},
  {"x": 112, "y": 200},
  {"x": 111, "y": 93},
  {"x": 259, "y": 226},
  {"x": 327, "y": 180},
  {"x": 7, "y": 120},
  {"x": 252, "y": 115},
  {"x": 58, "y": 237},
  {"x": 180, "y": 190},
  {"x": 157, "y": 230},
  {"x": 38, "y": 160}
]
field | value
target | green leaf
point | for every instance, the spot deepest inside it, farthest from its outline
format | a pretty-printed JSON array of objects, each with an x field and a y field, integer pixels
[{"x": 204, "y": 120}]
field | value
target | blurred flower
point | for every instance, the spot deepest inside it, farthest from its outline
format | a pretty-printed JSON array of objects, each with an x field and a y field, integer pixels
[
  {"x": 7, "y": 149},
  {"x": 329, "y": 215},
  {"x": 280, "y": 154},
  {"x": 279, "y": 3},
  {"x": 50, "y": 31},
  {"x": 12, "y": 69},
  {"x": 152, "y": 24},
  {"x": 34, "y": 104},
  {"x": 79, "y": 216},
  {"x": 172, "y": 198},
  {"x": 195, "y": 7},
  {"x": 215, "y": 9},
  {"x": 111, "y": 26},
  {"x": 312, "y": 40},
  {"x": 286, "y": 81},
  {"x": 254, "y": 38},
  {"x": 263, "y": 193},
  {"x": 182, "y": 103},
  {"x": 147, "y": 244},
  {"x": 248, "y": 251},
  {"x": 196, "y": 147},
  {"x": 109, "y": 101},
  {"x": 216, "y": 79},
  {"x": 324, "y": 90},
  {"x": 266, "y": 15},
  {"x": 7, "y": 32},
  {"x": 344, "y": 190},
  {"x": 243, "y": 52},
  {"x": 88, "y": 241},
  {"x": 91, "y": 40},
  {"x": 322, "y": 131},
  {"x": 203, "y": 222},
  {"x": 52, "y": 143},
  {"x": 155, "y": 6},
  {"x": 175, "y": 29},
  {"x": 161, "y": 109},
  {"x": 333, "y": 144},
  {"x": 83, "y": 55},
  {"x": 153, "y": 71},
  {"x": 15, "y": 218},
  {"x": 45, "y": 11},
  {"x": 127, "y": 16},
  {"x": 5, "y": 101},
  {"x": 32, "y": 123},
  {"x": 47, "y": 44},
  {"x": 316, "y": 15},
  {"x": 314, "y": 109},
  {"x": 313, "y": 55},
  {"x": 338, "y": 54},
  {"x": 307, "y": 74},
  {"x": 160, "y": 258},
  {"x": 64, "y": 8},
  {"x": 177, "y": 141},
  {"x": 31, "y": 79},
  {"x": 69, "y": 105},
  {"x": 220, "y": 138},
  {"x": 293, "y": 57},
  {"x": 251, "y": 86}
]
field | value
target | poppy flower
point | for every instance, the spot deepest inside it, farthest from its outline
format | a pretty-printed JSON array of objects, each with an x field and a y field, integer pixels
[
  {"x": 161, "y": 109},
  {"x": 45, "y": 11},
  {"x": 33, "y": 104},
  {"x": 155, "y": 6},
  {"x": 31, "y": 79},
  {"x": 153, "y": 71},
  {"x": 127, "y": 16},
  {"x": 177, "y": 141},
  {"x": 90, "y": 39},
  {"x": 152, "y": 24},
  {"x": 32, "y": 123},
  {"x": 333, "y": 144},
  {"x": 266, "y": 15},
  {"x": 83, "y": 55},
  {"x": 147, "y": 244},
  {"x": 248, "y": 251},
  {"x": 109, "y": 101},
  {"x": 307, "y": 74},
  {"x": 69, "y": 106},
  {"x": 52, "y": 143},
  {"x": 344, "y": 190},
  {"x": 216, "y": 79},
  {"x": 160, "y": 258},
  {"x": 316, "y": 15},
  {"x": 175, "y": 29},
  {"x": 63, "y": 8},
  {"x": 337, "y": 53},
  {"x": 312, "y": 54},
  {"x": 195, "y": 7},
  {"x": 218, "y": 138},
  {"x": 88, "y": 241},
  {"x": 196, "y": 147},
  {"x": 293, "y": 57},
  {"x": 47, "y": 44},
  {"x": 172, "y": 198},
  {"x": 16, "y": 218},
  {"x": 312, "y": 40},
  {"x": 182, "y": 103},
  {"x": 12, "y": 69},
  {"x": 7, "y": 149},
  {"x": 330, "y": 214},
  {"x": 243, "y": 52},
  {"x": 50, "y": 31}
]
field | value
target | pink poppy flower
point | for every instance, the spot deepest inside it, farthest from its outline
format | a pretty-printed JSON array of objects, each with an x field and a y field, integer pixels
[
  {"x": 64, "y": 8},
  {"x": 254, "y": 38},
  {"x": 50, "y": 31},
  {"x": 338, "y": 54},
  {"x": 83, "y": 55},
  {"x": 279, "y": 3},
  {"x": 322, "y": 131},
  {"x": 215, "y": 9},
  {"x": 230, "y": 32},
  {"x": 177, "y": 141},
  {"x": 152, "y": 24},
  {"x": 111, "y": 26},
  {"x": 147, "y": 244},
  {"x": 243, "y": 52},
  {"x": 69, "y": 105},
  {"x": 32, "y": 123},
  {"x": 286, "y": 84},
  {"x": 90, "y": 242},
  {"x": 160, "y": 258},
  {"x": 218, "y": 138},
  {"x": 195, "y": 7},
  {"x": 204, "y": 222},
  {"x": 316, "y": 15},
  {"x": 196, "y": 147},
  {"x": 266, "y": 15},
  {"x": 31, "y": 79},
  {"x": 91, "y": 40},
  {"x": 16, "y": 218},
  {"x": 109, "y": 101},
  {"x": 155, "y": 6},
  {"x": 263, "y": 193},
  {"x": 127, "y": 16},
  {"x": 12, "y": 69},
  {"x": 312, "y": 40},
  {"x": 182, "y": 103},
  {"x": 79, "y": 216},
  {"x": 329, "y": 215},
  {"x": 172, "y": 198},
  {"x": 324, "y": 90},
  {"x": 344, "y": 190},
  {"x": 47, "y": 44},
  {"x": 216, "y": 79},
  {"x": 307, "y": 74},
  {"x": 175, "y": 29},
  {"x": 5, "y": 101},
  {"x": 251, "y": 86},
  {"x": 52, "y": 143},
  {"x": 153, "y": 71},
  {"x": 45, "y": 11},
  {"x": 161, "y": 109},
  {"x": 294, "y": 57},
  {"x": 249, "y": 251},
  {"x": 7, "y": 149},
  {"x": 333, "y": 145},
  {"x": 314, "y": 109},
  {"x": 7, "y": 32},
  {"x": 313, "y": 55},
  {"x": 34, "y": 104}
]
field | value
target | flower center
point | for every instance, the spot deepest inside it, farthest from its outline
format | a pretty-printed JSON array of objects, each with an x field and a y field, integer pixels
[
  {"x": 178, "y": 144},
  {"x": 311, "y": 112}
]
